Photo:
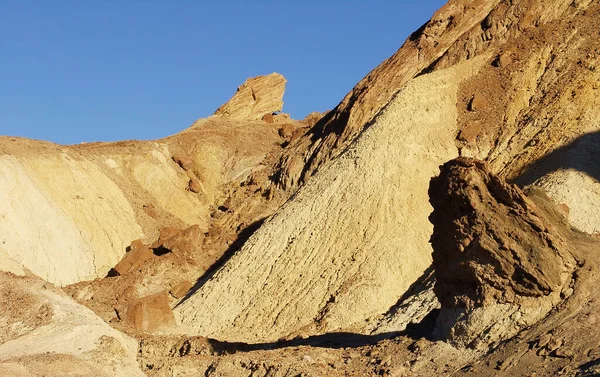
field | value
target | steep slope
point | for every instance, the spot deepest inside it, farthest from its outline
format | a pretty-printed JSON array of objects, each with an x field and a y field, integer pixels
[
  {"x": 351, "y": 242},
  {"x": 531, "y": 96},
  {"x": 457, "y": 32}
]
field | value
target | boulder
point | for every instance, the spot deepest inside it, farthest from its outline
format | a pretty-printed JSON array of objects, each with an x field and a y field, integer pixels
[
  {"x": 183, "y": 242},
  {"x": 194, "y": 185},
  {"x": 268, "y": 118},
  {"x": 286, "y": 131},
  {"x": 184, "y": 161},
  {"x": 137, "y": 254},
  {"x": 150, "y": 313},
  {"x": 500, "y": 261},
  {"x": 256, "y": 97}
]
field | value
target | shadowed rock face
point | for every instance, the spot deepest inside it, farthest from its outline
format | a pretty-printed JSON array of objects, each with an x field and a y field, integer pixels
[{"x": 495, "y": 254}]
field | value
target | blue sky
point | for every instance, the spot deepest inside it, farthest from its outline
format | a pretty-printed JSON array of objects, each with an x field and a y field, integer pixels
[{"x": 105, "y": 70}]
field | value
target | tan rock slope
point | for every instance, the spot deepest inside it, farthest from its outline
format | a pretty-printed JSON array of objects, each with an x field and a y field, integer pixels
[
  {"x": 349, "y": 243},
  {"x": 502, "y": 125}
]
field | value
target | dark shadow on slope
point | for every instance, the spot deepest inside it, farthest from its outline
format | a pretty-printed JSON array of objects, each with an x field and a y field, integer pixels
[
  {"x": 590, "y": 369},
  {"x": 424, "y": 328},
  {"x": 330, "y": 340},
  {"x": 582, "y": 154},
  {"x": 231, "y": 250}
]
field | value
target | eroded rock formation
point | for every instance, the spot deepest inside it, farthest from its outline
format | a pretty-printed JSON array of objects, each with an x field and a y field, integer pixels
[
  {"x": 255, "y": 98},
  {"x": 500, "y": 263}
]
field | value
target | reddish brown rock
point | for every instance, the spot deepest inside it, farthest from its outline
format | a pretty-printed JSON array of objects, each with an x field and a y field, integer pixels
[
  {"x": 164, "y": 234},
  {"x": 137, "y": 254},
  {"x": 181, "y": 289},
  {"x": 184, "y": 161},
  {"x": 477, "y": 103},
  {"x": 183, "y": 242},
  {"x": 268, "y": 118},
  {"x": 150, "y": 313},
  {"x": 286, "y": 131},
  {"x": 194, "y": 185}
]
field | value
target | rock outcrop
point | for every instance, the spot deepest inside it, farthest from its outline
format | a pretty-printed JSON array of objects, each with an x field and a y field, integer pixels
[
  {"x": 500, "y": 262},
  {"x": 255, "y": 98}
]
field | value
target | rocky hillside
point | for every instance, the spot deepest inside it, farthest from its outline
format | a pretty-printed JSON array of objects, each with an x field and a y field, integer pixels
[{"x": 441, "y": 220}]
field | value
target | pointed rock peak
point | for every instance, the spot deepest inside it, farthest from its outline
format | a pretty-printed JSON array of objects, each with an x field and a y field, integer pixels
[{"x": 256, "y": 97}]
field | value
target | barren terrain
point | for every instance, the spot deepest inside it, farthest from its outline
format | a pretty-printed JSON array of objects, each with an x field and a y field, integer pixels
[{"x": 443, "y": 219}]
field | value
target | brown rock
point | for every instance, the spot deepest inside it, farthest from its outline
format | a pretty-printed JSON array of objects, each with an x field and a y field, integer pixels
[
  {"x": 544, "y": 340},
  {"x": 150, "y": 313},
  {"x": 503, "y": 60},
  {"x": 564, "y": 353},
  {"x": 298, "y": 132},
  {"x": 226, "y": 206},
  {"x": 164, "y": 234},
  {"x": 312, "y": 118},
  {"x": 268, "y": 118},
  {"x": 286, "y": 131},
  {"x": 554, "y": 344},
  {"x": 491, "y": 245},
  {"x": 194, "y": 185},
  {"x": 254, "y": 98},
  {"x": 184, "y": 161},
  {"x": 477, "y": 103},
  {"x": 184, "y": 242},
  {"x": 469, "y": 132},
  {"x": 136, "y": 255},
  {"x": 181, "y": 289},
  {"x": 563, "y": 209},
  {"x": 136, "y": 245}
]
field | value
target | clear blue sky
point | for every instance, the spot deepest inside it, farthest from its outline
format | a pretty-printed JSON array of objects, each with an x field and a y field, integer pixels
[{"x": 104, "y": 70}]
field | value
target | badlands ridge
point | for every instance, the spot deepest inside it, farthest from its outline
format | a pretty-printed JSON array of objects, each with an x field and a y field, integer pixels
[{"x": 443, "y": 219}]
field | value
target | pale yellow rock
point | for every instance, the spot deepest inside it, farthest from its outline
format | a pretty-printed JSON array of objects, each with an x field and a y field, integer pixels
[
  {"x": 256, "y": 97},
  {"x": 44, "y": 325},
  {"x": 53, "y": 222},
  {"x": 69, "y": 212},
  {"x": 351, "y": 241}
]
